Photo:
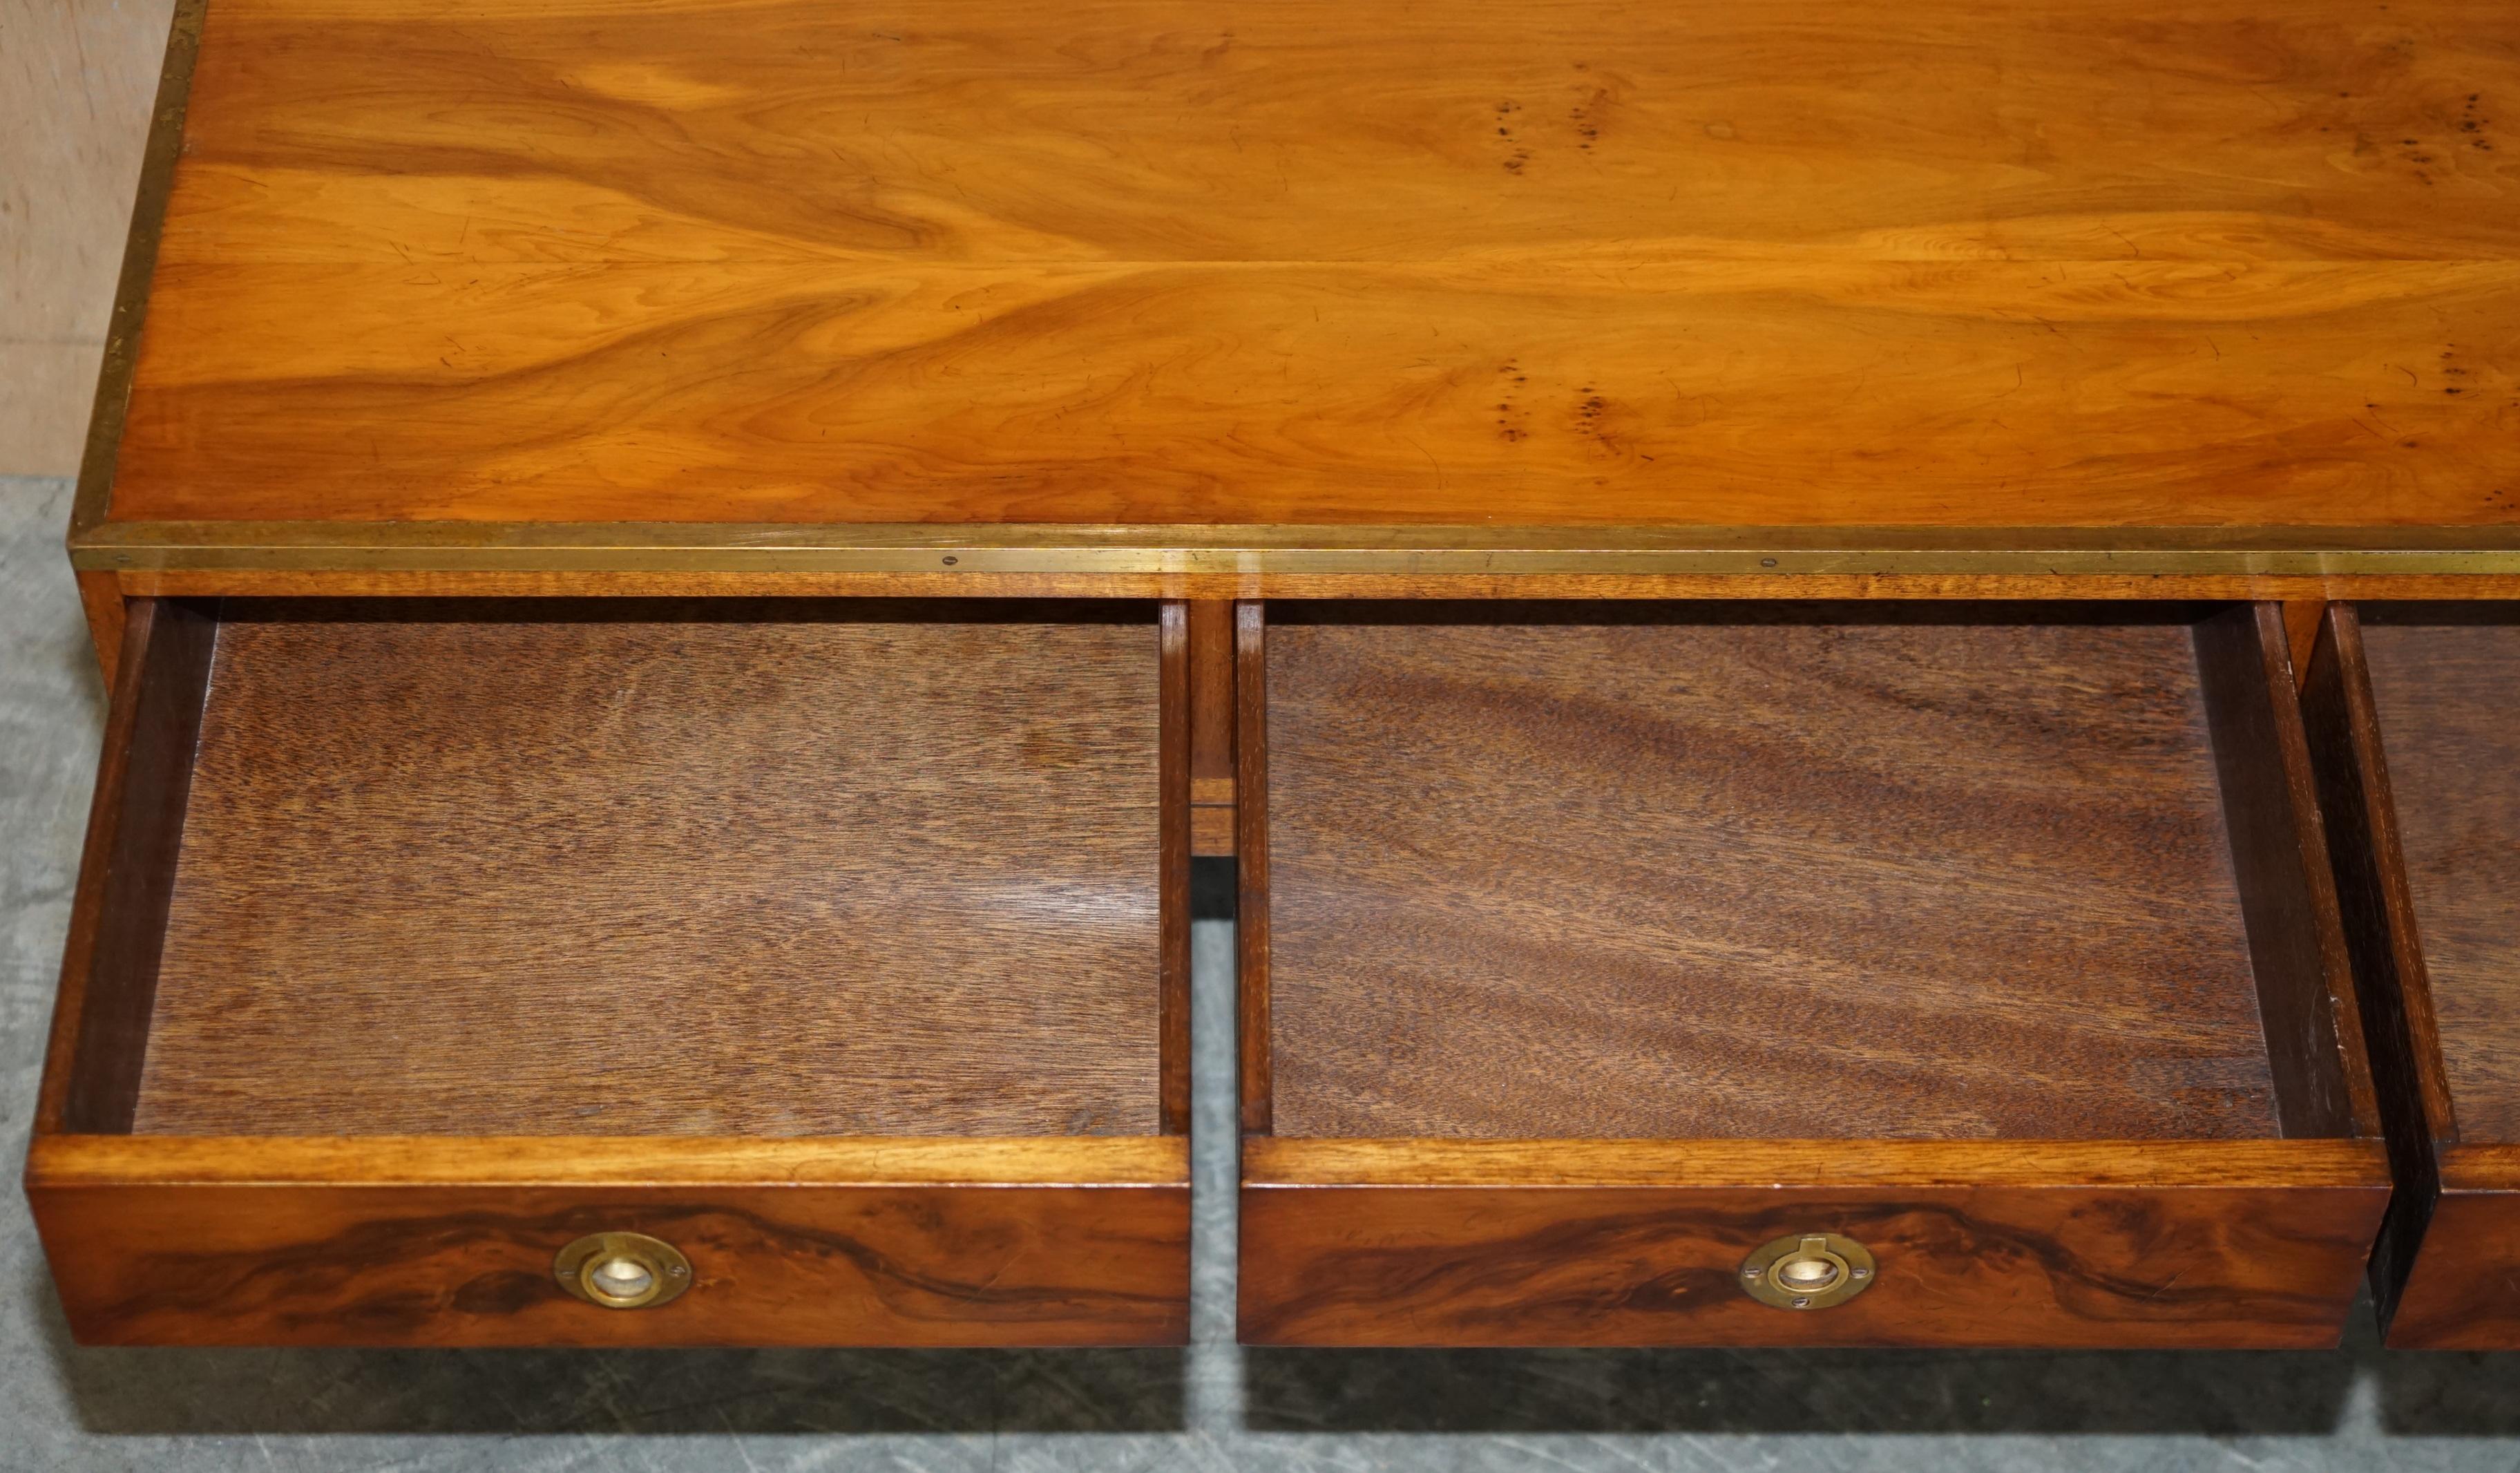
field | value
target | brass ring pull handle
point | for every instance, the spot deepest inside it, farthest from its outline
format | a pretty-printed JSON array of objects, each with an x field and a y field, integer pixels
[
  {"x": 622, "y": 1270},
  {"x": 1808, "y": 1271}
]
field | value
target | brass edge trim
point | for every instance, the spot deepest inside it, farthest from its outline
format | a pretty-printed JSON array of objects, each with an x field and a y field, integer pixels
[
  {"x": 1036, "y": 548},
  {"x": 139, "y": 267}
]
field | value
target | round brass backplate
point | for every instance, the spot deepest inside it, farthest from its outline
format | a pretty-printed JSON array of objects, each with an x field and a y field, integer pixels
[
  {"x": 622, "y": 1270},
  {"x": 1808, "y": 1271}
]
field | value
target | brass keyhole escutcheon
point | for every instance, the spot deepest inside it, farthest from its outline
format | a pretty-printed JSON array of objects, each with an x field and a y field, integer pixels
[
  {"x": 1808, "y": 1271},
  {"x": 622, "y": 1270}
]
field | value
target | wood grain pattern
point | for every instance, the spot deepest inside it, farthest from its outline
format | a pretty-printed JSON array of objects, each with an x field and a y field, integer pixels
[
  {"x": 1253, "y": 1048},
  {"x": 2306, "y": 1010},
  {"x": 1276, "y": 1161},
  {"x": 1830, "y": 262},
  {"x": 2462, "y": 1290},
  {"x": 2358, "y": 802},
  {"x": 1945, "y": 587},
  {"x": 101, "y": 598},
  {"x": 1766, "y": 873},
  {"x": 1173, "y": 856},
  {"x": 2446, "y": 698},
  {"x": 786, "y": 1250},
  {"x": 2302, "y": 620},
  {"x": 571, "y": 1161},
  {"x": 2378, "y": 914},
  {"x": 2267, "y": 1254},
  {"x": 2413, "y": 703},
  {"x": 629, "y": 869},
  {"x": 1211, "y": 679}
]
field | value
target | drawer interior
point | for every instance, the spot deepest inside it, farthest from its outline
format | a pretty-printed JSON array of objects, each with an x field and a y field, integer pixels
[
  {"x": 1809, "y": 872},
  {"x": 2444, "y": 683},
  {"x": 627, "y": 867}
]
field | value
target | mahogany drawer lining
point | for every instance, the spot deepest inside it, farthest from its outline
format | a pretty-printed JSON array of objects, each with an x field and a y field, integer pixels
[
  {"x": 1952, "y": 877},
  {"x": 628, "y": 868}
]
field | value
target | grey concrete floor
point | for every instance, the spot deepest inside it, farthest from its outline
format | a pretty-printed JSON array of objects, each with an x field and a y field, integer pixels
[{"x": 1215, "y": 1405}]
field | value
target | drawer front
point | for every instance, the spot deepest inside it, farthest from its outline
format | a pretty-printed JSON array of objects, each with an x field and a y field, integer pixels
[
  {"x": 150, "y": 1246},
  {"x": 2463, "y": 1292},
  {"x": 2060, "y": 1266}
]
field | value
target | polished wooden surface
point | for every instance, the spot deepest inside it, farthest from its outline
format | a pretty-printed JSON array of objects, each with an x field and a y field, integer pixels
[
  {"x": 1782, "y": 871},
  {"x": 1172, "y": 857},
  {"x": 2463, "y": 1291},
  {"x": 2306, "y": 1004},
  {"x": 2378, "y": 914},
  {"x": 1211, "y": 673},
  {"x": 1266, "y": 579},
  {"x": 2448, "y": 700},
  {"x": 2303, "y": 619},
  {"x": 2243, "y": 1243},
  {"x": 630, "y": 869},
  {"x": 102, "y": 600},
  {"x": 574, "y": 1161},
  {"x": 2358, "y": 800},
  {"x": 1825, "y": 262},
  {"x": 1252, "y": 1031},
  {"x": 1276, "y": 1161},
  {"x": 166, "y": 1240},
  {"x": 110, "y": 959}
]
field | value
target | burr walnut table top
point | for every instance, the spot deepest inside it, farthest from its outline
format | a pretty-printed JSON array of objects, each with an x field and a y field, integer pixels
[{"x": 2122, "y": 266}]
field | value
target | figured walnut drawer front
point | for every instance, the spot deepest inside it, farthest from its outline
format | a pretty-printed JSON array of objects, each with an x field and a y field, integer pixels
[
  {"x": 2415, "y": 720},
  {"x": 1990, "y": 954},
  {"x": 840, "y": 948}
]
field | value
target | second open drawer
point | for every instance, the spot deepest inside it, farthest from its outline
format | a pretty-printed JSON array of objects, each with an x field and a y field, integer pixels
[{"x": 1745, "y": 974}]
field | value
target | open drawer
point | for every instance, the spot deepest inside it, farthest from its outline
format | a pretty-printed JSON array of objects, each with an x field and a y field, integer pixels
[
  {"x": 1751, "y": 974},
  {"x": 618, "y": 973},
  {"x": 2414, "y": 721}
]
